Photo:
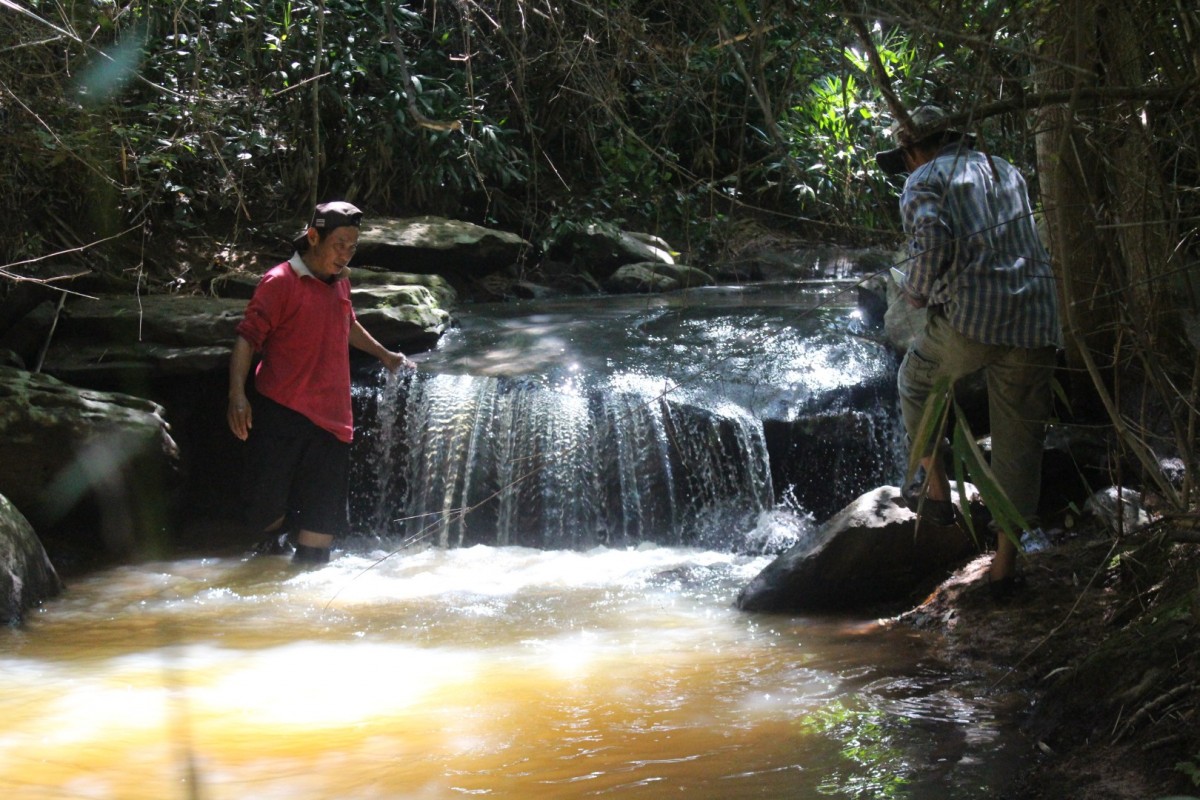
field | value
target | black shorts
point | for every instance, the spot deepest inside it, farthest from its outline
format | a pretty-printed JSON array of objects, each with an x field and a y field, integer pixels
[{"x": 295, "y": 469}]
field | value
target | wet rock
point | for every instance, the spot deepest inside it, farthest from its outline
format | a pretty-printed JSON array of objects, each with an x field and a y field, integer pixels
[
  {"x": 566, "y": 278},
  {"x": 655, "y": 277},
  {"x": 238, "y": 285},
  {"x": 769, "y": 259},
  {"x": 639, "y": 278},
  {"x": 26, "y": 575},
  {"x": 871, "y": 552},
  {"x": 456, "y": 250},
  {"x": 872, "y": 301},
  {"x": 406, "y": 316},
  {"x": 125, "y": 341},
  {"x": 1119, "y": 509},
  {"x": 600, "y": 250},
  {"x": 26, "y": 336},
  {"x": 128, "y": 342},
  {"x": 828, "y": 456},
  {"x": 93, "y": 467},
  {"x": 438, "y": 289}
]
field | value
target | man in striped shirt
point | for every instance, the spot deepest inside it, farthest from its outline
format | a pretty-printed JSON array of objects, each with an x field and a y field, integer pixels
[{"x": 978, "y": 267}]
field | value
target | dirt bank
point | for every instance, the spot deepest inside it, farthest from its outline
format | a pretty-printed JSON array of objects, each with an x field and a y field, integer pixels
[{"x": 1105, "y": 638}]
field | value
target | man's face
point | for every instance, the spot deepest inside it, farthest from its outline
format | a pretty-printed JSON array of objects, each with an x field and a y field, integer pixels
[{"x": 328, "y": 255}]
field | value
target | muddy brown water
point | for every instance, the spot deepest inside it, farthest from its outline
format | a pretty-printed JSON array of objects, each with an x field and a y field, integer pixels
[{"x": 486, "y": 671}]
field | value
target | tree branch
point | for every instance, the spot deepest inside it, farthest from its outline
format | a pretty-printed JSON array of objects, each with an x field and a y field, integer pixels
[
  {"x": 882, "y": 80},
  {"x": 409, "y": 97}
]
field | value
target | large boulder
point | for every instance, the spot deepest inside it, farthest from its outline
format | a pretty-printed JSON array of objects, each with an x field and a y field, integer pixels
[
  {"x": 409, "y": 315},
  {"x": 26, "y": 575},
  {"x": 871, "y": 552},
  {"x": 94, "y": 467},
  {"x": 600, "y": 250},
  {"x": 440, "y": 293},
  {"x": 655, "y": 276},
  {"x": 128, "y": 342},
  {"x": 458, "y": 251}
]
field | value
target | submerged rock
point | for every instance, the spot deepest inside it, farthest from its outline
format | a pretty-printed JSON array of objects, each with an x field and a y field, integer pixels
[
  {"x": 651, "y": 276},
  {"x": 601, "y": 250},
  {"x": 871, "y": 552}
]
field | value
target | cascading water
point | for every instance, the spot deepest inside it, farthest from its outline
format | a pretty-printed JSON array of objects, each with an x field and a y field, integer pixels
[
  {"x": 571, "y": 426},
  {"x": 512, "y": 462}
]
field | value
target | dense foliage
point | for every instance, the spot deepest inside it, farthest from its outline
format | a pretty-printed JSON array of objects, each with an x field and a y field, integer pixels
[
  {"x": 130, "y": 127},
  {"x": 152, "y": 115}
]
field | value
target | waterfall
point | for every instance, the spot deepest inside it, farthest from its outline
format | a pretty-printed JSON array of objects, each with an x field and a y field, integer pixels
[
  {"x": 457, "y": 460},
  {"x": 621, "y": 420}
]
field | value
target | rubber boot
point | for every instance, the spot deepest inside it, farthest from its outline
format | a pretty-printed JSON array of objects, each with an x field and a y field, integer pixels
[{"x": 309, "y": 556}]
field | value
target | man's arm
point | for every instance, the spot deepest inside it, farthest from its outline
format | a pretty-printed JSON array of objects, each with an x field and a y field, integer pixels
[
  {"x": 238, "y": 414},
  {"x": 930, "y": 239},
  {"x": 361, "y": 340}
]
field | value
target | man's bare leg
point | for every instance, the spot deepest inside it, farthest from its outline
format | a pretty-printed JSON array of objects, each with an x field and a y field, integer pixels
[{"x": 937, "y": 484}]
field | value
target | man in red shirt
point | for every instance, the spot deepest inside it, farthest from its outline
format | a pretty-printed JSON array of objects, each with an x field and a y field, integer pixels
[{"x": 301, "y": 321}]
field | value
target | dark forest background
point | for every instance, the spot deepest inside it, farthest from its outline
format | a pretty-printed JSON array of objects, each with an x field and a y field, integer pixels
[{"x": 145, "y": 138}]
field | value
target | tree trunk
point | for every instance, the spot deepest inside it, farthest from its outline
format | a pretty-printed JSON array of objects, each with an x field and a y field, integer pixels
[
  {"x": 1070, "y": 179},
  {"x": 1107, "y": 224},
  {"x": 1140, "y": 220}
]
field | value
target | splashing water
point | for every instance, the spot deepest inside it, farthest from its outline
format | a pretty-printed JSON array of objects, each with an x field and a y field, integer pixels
[
  {"x": 505, "y": 461},
  {"x": 610, "y": 422}
]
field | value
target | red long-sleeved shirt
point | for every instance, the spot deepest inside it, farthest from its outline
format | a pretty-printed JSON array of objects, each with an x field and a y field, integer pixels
[{"x": 301, "y": 325}]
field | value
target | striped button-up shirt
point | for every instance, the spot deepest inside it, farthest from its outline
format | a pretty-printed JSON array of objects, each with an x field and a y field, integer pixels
[{"x": 974, "y": 249}]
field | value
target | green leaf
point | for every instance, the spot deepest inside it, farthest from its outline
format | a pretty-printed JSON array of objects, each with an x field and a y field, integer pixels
[
  {"x": 966, "y": 449},
  {"x": 932, "y": 427}
]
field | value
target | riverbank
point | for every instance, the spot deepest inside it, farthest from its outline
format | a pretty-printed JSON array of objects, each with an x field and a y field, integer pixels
[{"x": 1104, "y": 639}]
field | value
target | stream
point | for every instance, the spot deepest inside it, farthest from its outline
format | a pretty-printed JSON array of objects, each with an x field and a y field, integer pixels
[
  {"x": 553, "y": 518},
  {"x": 497, "y": 672}
]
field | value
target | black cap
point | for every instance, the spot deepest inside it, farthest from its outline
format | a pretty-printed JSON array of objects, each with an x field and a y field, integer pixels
[{"x": 335, "y": 214}]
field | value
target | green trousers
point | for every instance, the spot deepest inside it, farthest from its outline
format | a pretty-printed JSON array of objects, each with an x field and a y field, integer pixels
[{"x": 1019, "y": 400}]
